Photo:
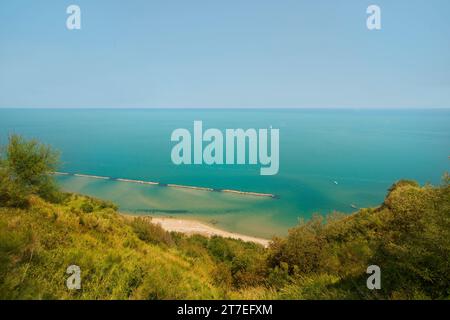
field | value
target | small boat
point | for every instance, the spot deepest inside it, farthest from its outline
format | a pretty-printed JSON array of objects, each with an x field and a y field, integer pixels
[
  {"x": 335, "y": 182},
  {"x": 353, "y": 206}
]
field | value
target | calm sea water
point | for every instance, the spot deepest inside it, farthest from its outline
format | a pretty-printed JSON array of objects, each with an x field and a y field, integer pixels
[{"x": 365, "y": 151}]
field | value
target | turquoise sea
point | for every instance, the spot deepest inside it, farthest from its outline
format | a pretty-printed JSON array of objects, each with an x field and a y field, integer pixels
[{"x": 364, "y": 151}]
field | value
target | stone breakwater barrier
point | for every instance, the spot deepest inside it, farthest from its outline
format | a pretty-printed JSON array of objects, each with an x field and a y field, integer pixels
[{"x": 169, "y": 185}]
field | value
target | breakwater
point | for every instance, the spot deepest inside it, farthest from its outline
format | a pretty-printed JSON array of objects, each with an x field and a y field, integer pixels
[{"x": 170, "y": 185}]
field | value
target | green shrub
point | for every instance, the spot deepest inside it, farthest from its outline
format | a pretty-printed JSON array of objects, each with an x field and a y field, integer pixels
[
  {"x": 86, "y": 207},
  {"x": 151, "y": 233},
  {"x": 26, "y": 167}
]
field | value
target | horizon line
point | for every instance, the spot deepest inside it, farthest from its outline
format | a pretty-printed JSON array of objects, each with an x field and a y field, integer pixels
[{"x": 224, "y": 108}]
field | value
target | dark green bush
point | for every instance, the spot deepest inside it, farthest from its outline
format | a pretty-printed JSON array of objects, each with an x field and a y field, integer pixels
[
  {"x": 151, "y": 233},
  {"x": 25, "y": 169}
]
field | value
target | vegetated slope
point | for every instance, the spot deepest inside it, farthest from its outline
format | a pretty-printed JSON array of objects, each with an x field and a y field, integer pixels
[
  {"x": 119, "y": 258},
  {"x": 43, "y": 231},
  {"x": 408, "y": 236}
]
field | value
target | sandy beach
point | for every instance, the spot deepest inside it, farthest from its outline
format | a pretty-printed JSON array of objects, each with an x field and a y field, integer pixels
[{"x": 189, "y": 227}]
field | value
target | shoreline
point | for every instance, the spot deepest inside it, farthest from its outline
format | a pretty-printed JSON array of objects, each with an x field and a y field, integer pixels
[{"x": 190, "y": 227}]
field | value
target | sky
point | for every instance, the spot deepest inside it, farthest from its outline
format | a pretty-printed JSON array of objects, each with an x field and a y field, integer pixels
[{"x": 225, "y": 54}]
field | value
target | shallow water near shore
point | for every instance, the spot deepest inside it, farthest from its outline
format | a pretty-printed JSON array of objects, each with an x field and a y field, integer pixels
[{"x": 363, "y": 151}]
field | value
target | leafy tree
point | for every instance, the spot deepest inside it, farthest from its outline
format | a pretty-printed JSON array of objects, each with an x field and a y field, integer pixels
[{"x": 25, "y": 169}]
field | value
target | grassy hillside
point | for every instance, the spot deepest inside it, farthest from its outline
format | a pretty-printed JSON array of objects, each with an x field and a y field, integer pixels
[
  {"x": 43, "y": 231},
  {"x": 119, "y": 258},
  {"x": 122, "y": 258},
  {"x": 408, "y": 237}
]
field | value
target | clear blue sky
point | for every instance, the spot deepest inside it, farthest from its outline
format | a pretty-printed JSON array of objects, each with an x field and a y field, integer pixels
[{"x": 225, "y": 53}]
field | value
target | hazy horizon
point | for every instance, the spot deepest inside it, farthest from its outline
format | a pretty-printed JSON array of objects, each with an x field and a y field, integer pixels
[{"x": 232, "y": 107}]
